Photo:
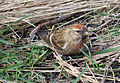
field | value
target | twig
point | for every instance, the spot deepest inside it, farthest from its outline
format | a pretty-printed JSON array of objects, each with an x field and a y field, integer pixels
[
  {"x": 92, "y": 73},
  {"x": 15, "y": 33},
  {"x": 113, "y": 74}
]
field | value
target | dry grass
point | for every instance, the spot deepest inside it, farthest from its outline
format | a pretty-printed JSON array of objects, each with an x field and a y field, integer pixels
[
  {"x": 102, "y": 60},
  {"x": 45, "y": 9}
]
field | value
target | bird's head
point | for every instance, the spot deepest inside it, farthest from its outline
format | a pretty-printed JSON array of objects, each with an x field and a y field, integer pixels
[{"x": 78, "y": 31}]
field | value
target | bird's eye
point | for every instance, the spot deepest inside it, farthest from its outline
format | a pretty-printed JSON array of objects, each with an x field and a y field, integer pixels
[{"x": 78, "y": 32}]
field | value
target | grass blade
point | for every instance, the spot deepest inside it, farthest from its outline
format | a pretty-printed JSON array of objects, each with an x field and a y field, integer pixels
[
  {"x": 6, "y": 42},
  {"x": 2, "y": 31},
  {"x": 106, "y": 50},
  {"x": 77, "y": 79},
  {"x": 38, "y": 58}
]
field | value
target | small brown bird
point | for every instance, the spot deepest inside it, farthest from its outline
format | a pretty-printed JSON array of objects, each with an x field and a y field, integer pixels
[{"x": 67, "y": 40}]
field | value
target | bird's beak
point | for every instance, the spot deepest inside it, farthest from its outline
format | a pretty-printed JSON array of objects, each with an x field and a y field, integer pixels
[{"x": 86, "y": 34}]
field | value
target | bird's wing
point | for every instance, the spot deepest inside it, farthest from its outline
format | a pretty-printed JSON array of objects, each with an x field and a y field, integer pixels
[{"x": 58, "y": 40}]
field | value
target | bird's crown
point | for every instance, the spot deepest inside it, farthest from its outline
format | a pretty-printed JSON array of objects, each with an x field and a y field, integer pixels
[{"x": 78, "y": 26}]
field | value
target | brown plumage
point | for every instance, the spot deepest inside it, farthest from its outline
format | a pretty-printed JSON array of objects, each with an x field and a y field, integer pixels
[{"x": 67, "y": 40}]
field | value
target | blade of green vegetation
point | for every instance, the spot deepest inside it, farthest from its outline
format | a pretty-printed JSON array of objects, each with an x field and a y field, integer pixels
[
  {"x": 104, "y": 14},
  {"x": 38, "y": 58},
  {"x": 2, "y": 31},
  {"x": 26, "y": 81},
  {"x": 51, "y": 78},
  {"x": 67, "y": 77},
  {"x": 101, "y": 65},
  {"x": 89, "y": 16},
  {"x": 114, "y": 29},
  {"x": 91, "y": 61},
  {"x": 100, "y": 13},
  {"x": 89, "y": 56},
  {"x": 16, "y": 66},
  {"x": 6, "y": 42},
  {"x": 95, "y": 19},
  {"x": 16, "y": 75},
  {"x": 11, "y": 68},
  {"x": 114, "y": 34},
  {"x": 106, "y": 50},
  {"x": 2, "y": 16},
  {"x": 78, "y": 78},
  {"x": 57, "y": 68}
]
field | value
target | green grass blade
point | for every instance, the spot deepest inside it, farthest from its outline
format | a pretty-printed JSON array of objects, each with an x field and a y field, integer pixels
[
  {"x": 10, "y": 68},
  {"x": 67, "y": 77},
  {"x": 57, "y": 68},
  {"x": 106, "y": 50},
  {"x": 114, "y": 34},
  {"x": 2, "y": 16},
  {"x": 51, "y": 78},
  {"x": 115, "y": 29},
  {"x": 26, "y": 81},
  {"x": 92, "y": 62},
  {"x": 5, "y": 42},
  {"x": 100, "y": 13},
  {"x": 78, "y": 78},
  {"x": 2, "y": 31},
  {"x": 38, "y": 58}
]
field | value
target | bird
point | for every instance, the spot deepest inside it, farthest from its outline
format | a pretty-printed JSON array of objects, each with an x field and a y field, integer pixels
[{"x": 67, "y": 40}]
